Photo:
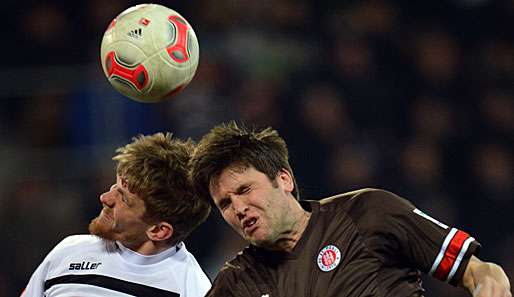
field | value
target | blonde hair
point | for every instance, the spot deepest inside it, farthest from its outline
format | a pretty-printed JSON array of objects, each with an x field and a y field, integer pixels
[{"x": 155, "y": 167}]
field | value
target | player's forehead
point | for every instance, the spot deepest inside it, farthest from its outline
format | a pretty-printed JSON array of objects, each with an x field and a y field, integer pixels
[{"x": 231, "y": 178}]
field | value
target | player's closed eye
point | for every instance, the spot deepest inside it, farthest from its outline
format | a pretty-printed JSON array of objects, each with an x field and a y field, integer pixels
[
  {"x": 223, "y": 204},
  {"x": 124, "y": 199},
  {"x": 244, "y": 190}
]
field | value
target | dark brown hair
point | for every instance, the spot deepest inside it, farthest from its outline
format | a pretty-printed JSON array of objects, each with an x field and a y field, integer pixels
[
  {"x": 228, "y": 145},
  {"x": 155, "y": 168}
]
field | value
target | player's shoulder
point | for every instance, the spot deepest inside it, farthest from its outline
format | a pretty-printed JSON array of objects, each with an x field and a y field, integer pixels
[
  {"x": 78, "y": 239},
  {"x": 79, "y": 242},
  {"x": 247, "y": 258},
  {"x": 185, "y": 257},
  {"x": 233, "y": 272},
  {"x": 244, "y": 263},
  {"x": 185, "y": 264},
  {"x": 373, "y": 210},
  {"x": 363, "y": 199}
]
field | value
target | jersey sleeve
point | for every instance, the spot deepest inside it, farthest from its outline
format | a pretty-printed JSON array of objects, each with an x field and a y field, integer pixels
[{"x": 402, "y": 235}]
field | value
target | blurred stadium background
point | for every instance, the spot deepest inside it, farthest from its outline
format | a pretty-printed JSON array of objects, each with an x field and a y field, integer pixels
[{"x": 412, "y": 96}]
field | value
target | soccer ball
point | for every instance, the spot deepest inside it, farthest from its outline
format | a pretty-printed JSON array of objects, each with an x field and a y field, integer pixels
[{"x": 149, "y": 52}]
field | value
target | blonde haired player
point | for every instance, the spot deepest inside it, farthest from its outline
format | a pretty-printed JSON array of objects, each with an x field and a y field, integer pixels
[{"x": 135, "y": 247}]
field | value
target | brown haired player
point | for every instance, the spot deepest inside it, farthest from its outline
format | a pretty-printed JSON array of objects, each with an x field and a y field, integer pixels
[
  {"x": 138, "y": 248},
  {"x": 364, "y": 243}
]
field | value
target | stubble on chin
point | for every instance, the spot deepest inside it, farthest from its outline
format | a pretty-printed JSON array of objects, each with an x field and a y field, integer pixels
[
  {"x": 100, "y": 229},
  {"x": 260, "y": 242}
]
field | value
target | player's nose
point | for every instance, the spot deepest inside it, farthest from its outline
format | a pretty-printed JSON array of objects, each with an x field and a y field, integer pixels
[
  {"x": 240, "y": 208},
  {"x": 106, "y": 198}
]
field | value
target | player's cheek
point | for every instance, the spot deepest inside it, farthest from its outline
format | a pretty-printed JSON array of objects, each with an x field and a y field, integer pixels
[{"x": 235, "y": 225}]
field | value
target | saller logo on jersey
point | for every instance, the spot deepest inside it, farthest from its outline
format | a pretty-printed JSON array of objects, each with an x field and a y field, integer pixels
[
  {"x": 328, "y": 258},
  {"x": 84, "y": 265}
]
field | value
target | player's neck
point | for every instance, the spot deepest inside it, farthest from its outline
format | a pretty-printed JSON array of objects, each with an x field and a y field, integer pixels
[
  {"x": 149, "y": 248},
  {"x": 298, "y": 225}
]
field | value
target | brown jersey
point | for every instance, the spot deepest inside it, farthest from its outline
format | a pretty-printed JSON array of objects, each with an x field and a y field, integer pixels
[{"x": 362, "y": 243}]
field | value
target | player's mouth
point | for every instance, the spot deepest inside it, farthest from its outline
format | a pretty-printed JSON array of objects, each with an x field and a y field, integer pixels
[
  {"x": 105, "y": 215},
  {"x": 249, "y": 225}
]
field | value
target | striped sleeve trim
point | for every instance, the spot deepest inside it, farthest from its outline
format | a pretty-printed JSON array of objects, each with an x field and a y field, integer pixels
[{"x": 450, "y": 256}]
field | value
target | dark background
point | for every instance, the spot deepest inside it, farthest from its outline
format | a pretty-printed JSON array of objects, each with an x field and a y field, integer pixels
[{"x": 412, "y": 96}]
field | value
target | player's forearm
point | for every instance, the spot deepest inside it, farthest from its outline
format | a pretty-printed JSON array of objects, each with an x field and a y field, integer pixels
[{"x": 484, "y": 279}]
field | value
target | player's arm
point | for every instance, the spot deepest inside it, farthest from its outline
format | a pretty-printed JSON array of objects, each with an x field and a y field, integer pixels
[
  {"x": 401, "y": 234},
  {"x": 485, "y": 279}
]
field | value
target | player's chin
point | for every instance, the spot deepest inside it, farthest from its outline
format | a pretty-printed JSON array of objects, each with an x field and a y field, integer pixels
[
  {"x": 101, "y": 228},
  {"x": 257, "y": 239}
]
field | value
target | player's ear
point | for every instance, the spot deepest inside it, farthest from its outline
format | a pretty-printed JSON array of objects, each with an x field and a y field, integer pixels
[
  {"x": 160, "y": 231},
  {"x": 285, "y": 178}
]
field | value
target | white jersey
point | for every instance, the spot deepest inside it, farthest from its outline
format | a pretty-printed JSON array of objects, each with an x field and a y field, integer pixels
[{"x": 85, "y": 265}]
